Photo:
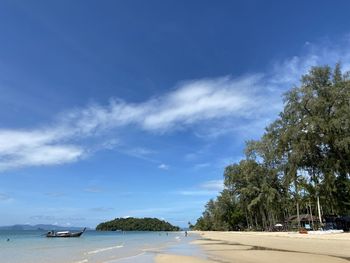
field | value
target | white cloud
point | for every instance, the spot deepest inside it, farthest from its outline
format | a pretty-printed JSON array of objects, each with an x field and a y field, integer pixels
[
  {"x": 191, "y": 103},
  {"x": 207, "y": 188},
  {"x": 215, "y": 185},
  {"x": 200, "y": 100},
  {"x": 207, "y": 107},
  {"x": 140, "y": 153},
  {"x": 41, "y": 155},
  {"x": 163, "y": 166},
  {"x": 288, "y": 72}
]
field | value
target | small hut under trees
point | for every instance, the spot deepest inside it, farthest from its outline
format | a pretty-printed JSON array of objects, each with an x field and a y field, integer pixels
[{"x": 306, "y": 221}]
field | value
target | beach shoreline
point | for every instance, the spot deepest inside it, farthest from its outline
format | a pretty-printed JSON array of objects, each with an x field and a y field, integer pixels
[
  {"x": 31, "y": 246},
  {"x": 174, "y": 247},
  {"x": 269, "y": 247}
]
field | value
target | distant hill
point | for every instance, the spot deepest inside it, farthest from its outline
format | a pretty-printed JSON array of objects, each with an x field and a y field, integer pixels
[
  {"x": 39, "y": 227},
  {"x": 137, "y": 224}
]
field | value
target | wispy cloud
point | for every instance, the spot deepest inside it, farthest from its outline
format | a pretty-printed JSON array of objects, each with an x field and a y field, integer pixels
[
  {"x": 175, "y": 208},
  {"x": 190, "y": 103},
  {"x": 101, "y": 209},
  {"x": 5, "y": 197},
  {"x": 201, "y": 165},
  {"x": 51, "y": 218},
  {"x": 35, "y": 148},
  {"x": 221, "y": 163},
  {"x": 207, "y": 188},
  {"x": 55, "y": 194},
  {"x": 215, "y": 185},
  {"x": 163, "y": 166},
  {"x": 93, "y": 190},
  {"x": 207, "y": 107},
  {"x": 289, "y": 71},
  {"x": 140, "y": 153},
  {"x": 153, "y": 210}
]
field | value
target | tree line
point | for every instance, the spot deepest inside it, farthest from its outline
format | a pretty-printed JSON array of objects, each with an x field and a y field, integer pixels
[
  {"x": 301, "y": 164},
  {"x": 136, "y": 224}
]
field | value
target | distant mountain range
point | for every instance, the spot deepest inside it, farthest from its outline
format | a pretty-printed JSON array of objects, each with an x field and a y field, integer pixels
[{"x": 39, "y": 227}]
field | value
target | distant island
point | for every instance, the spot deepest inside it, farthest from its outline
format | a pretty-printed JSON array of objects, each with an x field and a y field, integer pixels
[{"x": 136, "y": 224}]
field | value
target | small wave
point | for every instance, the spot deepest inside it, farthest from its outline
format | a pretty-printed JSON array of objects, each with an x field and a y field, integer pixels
[
  {"x": 82, "y": 261},
  {"x": 104, "y": 249}
]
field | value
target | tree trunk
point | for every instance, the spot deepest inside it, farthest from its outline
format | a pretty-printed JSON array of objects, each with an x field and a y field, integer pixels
[
  {"x": 246, "y": 217},
  {"x": 299, "y": 225},
  {"x": 312, "y": 219},
  {"x": 319, "y": 210},
  {"x": 297, "y": 200}
]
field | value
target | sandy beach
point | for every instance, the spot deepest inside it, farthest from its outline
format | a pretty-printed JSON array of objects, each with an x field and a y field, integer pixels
[{"x": 255, "y": 247}]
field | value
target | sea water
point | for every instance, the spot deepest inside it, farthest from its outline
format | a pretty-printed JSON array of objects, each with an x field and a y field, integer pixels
[{"x": 91, "y": 247}]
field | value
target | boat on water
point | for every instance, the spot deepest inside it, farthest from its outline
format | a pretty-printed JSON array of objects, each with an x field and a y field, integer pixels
[{"x": 64, "y": 233}]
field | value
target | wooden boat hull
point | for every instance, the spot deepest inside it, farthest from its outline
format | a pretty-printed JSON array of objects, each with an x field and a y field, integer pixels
[{"x": 65, "y": 234}]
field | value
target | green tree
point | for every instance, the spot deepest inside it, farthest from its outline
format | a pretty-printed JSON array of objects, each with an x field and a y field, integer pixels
[{"x": 300, "y": 165}]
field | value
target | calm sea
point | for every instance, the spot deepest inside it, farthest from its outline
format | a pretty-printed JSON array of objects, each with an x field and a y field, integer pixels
[{"x": 92, "y": 246}]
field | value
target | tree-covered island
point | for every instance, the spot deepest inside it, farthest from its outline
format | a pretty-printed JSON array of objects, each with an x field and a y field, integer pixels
[{"x": 136, "y": 224}]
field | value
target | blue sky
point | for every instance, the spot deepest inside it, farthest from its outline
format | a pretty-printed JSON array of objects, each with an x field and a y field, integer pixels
[{"x": 133, "y": 108}]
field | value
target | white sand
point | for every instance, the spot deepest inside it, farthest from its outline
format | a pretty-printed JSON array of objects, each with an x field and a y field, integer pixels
[{"x": 261, "y": 247}]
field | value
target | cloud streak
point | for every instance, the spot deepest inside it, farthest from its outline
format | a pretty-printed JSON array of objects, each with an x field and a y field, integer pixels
[
  {"x": 191, "y": 105},
  {"x": 93, "y": 190},
  {"x": 207, "y": 188},
  {"x": 163, "y": 166},
  {"x": 215, "y": 185},
  {"x": 101, "y": 209},
  {"x": 5, "y": 197}
]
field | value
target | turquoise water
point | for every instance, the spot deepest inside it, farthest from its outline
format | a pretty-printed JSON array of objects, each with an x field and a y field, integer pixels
[{"x": 92, "y": 246}]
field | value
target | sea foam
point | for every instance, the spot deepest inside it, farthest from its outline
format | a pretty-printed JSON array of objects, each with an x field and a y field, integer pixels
[{"x": 104, "y": 249}]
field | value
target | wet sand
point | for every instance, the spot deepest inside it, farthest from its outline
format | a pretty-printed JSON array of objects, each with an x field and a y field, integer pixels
[
  {"x": 255, "y": 247},
  {"x": 170, "y": 258}
]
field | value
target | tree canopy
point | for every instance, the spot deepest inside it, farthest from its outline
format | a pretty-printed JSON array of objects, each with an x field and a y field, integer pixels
[
  {"x": 300, "y": 165},
  {"x": 136, "y": 224}
]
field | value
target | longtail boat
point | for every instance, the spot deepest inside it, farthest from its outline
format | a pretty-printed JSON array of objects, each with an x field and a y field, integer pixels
[{"x": 64, "y": 233}]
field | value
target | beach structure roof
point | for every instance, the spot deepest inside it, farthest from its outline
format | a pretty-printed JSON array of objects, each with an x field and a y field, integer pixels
[{"x": 303, "y": 218}]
